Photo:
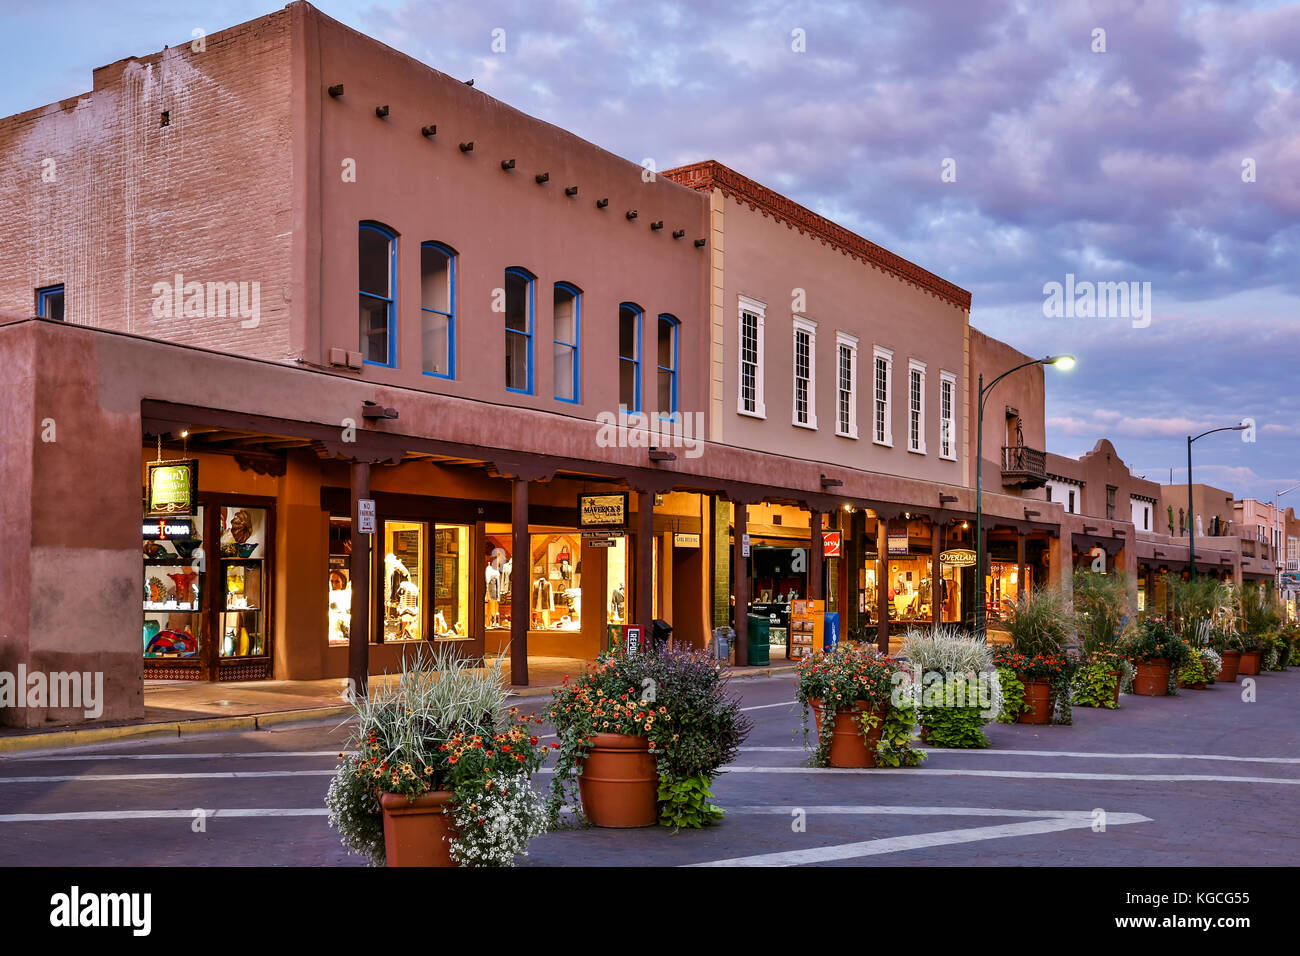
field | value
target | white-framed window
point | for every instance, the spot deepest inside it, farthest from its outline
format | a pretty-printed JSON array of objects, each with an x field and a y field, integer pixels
[
  {"x": 947, "y": 415},
  {"x": 749, "y": 400},
  {"x": 846, "y": 385},
  {"x": 805, "y": 373},
  {"x": 916, "y": 407},
  {"x": 882, "y": 425}
]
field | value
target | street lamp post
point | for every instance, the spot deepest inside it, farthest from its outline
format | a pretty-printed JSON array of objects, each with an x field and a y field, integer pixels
[
  {"x": 1281, "y": 535},
  {"x": 1191, "y": 516},
  {"x": 1065, "y": 363}
]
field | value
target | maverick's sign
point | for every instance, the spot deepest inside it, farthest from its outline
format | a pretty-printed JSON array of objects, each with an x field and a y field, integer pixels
[
  {"x": 173, "y": 488},
  {"x": 603, "y": 511}
]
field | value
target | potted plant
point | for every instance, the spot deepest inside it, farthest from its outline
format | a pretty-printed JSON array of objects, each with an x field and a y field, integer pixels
[
  {"x": 1259, "y": 619},
  {"x": 643, "y": 735},
  {"x": 1192, "y": 675},
  {"x": 953, "y": 686},
  {"x": 1157, "y": 654},
  {"x": 1227, "y": 643},
  {"x": 1100, "y": 613},
  {"x": 1041, "y": 626},
  {"x": 1212, "y": 663},
  {"x": 849, "y": 692},
  {"x": 439, "y": 773},
  {"x": 1252, "y": 649}
]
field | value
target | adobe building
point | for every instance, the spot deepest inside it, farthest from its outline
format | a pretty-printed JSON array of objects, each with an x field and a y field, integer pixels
[{"x": 314, "y": 354}]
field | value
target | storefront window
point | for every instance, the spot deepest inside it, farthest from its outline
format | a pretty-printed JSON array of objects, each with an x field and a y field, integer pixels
[
  {"x": 403, "y": 567},
  {"x": 555, "y": 594},
  {"x": 1002, "y": 586},
  {"x": 911, "y": 590},
  {"x": 950, "y": 595},
  {"x": 450, "y": 581},
  {"x": 498, "y": 575},
  {"x": 243, "y": 583},
  {"x": 339, "y": 593},
  {"x": 173, "y": 586},
  {"x": 616, "y": 580}
]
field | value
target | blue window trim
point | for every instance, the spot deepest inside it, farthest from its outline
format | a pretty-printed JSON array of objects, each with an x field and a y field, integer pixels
[
  {"x": 532, "y": 325},
  {"x": 576, "y": 343},
  {"x": 636, "y": 363},
  {"x": 452, "y": 257},
  {"x": 677, "y": 338},
  {"x": 44, "y": 293},
  {"x": 391, "y": 236}
]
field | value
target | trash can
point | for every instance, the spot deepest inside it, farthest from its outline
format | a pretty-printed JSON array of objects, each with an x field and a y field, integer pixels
[
  {"x": 659, "y": 633},
  {"x": 759, "y": 626},
  {"x": 720, "y": 646},
  {"x": 831, "y": 631}
]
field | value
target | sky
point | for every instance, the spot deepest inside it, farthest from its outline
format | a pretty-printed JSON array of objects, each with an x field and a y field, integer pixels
[{"x": 1002, "y": 145}]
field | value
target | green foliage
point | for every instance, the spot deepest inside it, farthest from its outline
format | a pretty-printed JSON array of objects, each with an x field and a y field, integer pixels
[
  {"x": 1094, "y": 684},
  {"x": 1040, "y": 624},
  {"x": 1013, "y": 696},
  {"x": 1100, "y": 606},
  {"x": 954, "y": 726},
  {"x": 1152, "y": 640},
  {"x": 945, "y": 650},
  {"x": 685, "y": 803},
  {"x": 354, "y": 811},
  {"x": 895, "y": 747},
  {"x": 1194, "y": 600},
  {"x": 1193, "y": 672},
  {"x": 1259, "y": 615}
]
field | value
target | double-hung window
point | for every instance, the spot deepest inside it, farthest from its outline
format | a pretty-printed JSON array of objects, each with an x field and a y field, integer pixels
[
  {"x": 519, "y": 330},
  {"x": 377, "y": 282},
  {"x": 438, "y": 309},
  {"x": 669, "y": 330},
  {"x": 49, "y": 302},
  {"x": 805, "y": 373},
  {"x": 629, "y": 356},
  {"x": 947, "y": 415},
  {"x": 749, "y": 398},
  {"x": 916, "y": 407},
  {"x": 568, "y": 342},
  {"x": 882, "y": 426},
  {"x": 846, "y": 385}
]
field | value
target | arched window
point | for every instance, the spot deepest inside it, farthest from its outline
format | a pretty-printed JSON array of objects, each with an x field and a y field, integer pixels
[
  {"x": 629, "y": 356},
  {"x": 669, "y": 328},
  {"x": 377, "y": 284},
  {"x": 438, "y": 309},
  {"x": 568, "y": 342},
  {"x": 519, "y": 330}
]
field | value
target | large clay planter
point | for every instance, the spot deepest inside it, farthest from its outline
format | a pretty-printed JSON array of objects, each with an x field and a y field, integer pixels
[
  {"x": 416, "y": 833},
  {"x": 1199, "y": 685},
  {"x": 850, "y": 747},
  {"x": 1038, "y": 701},
  {"x": 619, "y": 782},
  {"x": 1152, "y": 678},
  {"x": 1249, "y": 665},
  {"x": 1228, "y": 672}
]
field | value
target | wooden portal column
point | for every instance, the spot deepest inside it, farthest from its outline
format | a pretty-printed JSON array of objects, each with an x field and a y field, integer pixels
[
  {"x": 1020, "y": 565},
  {"x": 816, "y": 589},
  {"x": 521, "y": 582},
  {"x": 359, "y": 572},
  {"x": 882, "y": 585},
  {"x": 643, "y": 607},
  {"x": 740, "y": 581},
  {"x": 936, "y": 578}
]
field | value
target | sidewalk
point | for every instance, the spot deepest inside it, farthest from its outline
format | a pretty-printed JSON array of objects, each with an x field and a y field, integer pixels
[{"x": 181, "y": 708}]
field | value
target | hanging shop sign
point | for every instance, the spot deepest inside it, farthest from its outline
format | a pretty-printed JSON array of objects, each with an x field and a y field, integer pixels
[
  {"x": 599, "y": 542},
  {"x": 832, "y": 544},
  {"x": 173, "y": 488},
  {"x": 898, "y": 543},
  {"x": 957, "y": 558},
  {"x": 168, "y": 529},
  {"x": 686, "y": 539},
  {"x": 603, "y": 511}
]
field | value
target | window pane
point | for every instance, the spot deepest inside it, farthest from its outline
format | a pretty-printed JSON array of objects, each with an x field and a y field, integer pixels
[
  {"x": 435, "y": 279},
  {"x": 403, "y": 575},
  {"x": 516, "y": 303},
  {"x": 564, "y": 361},
  {"x": 667, "y": 330},
  {"x": 666, "y": 392},
  {"x": 627, "y": 385},
  {"x": 516, "y": 361},
  {"x": 436, "y": 343},
  {"x": 374, "y": 264},
  {"x": 627, "y": 327},
  {"x": 566, "y": 329},
  {"x": 374, "y": 329}
]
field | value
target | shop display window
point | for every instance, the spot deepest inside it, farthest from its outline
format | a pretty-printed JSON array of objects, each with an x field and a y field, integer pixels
[
  {"x": 499, "y": 578},
  {"x": 616, "y": 581},
  {"x": 174, "y": 560},
  {"x": 404, "y": 544},
  {"x": 911, "y": 589},
  {"x": 1002, "y": 586},
  {"x": 777, "y": 575},
  {"x": 242, "y": 607},
  {"x": 450, "y": 581},
  {"x": 339, "y": 593},
  {"x": 552, "y": 576},
  {"x": 950, "y": 611}
]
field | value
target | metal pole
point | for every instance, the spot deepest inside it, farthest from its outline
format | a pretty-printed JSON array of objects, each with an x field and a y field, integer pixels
[
  {"x": 521, "y": 582},
  {"x": 1191, "y": 526},
  {"x": 359, "y": 575},
  {"x": 979, "y": 513}
]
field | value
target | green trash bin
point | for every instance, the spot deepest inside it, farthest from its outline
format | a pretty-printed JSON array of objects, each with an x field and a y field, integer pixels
[{"x": 759, "y": 627}]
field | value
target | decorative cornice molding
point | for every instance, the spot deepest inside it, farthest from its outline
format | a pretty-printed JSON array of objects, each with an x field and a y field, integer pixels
[{"x": 711, "y": 174}]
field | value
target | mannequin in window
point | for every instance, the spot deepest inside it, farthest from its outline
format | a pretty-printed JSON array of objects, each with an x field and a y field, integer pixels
[
  {"x": 543, "y": 600},
  {"x": 408, "y": 610},
  {"x": 617, "y": 604},
  {"x": 395, "y": 573},
  {"x": 492, "y": 594}
]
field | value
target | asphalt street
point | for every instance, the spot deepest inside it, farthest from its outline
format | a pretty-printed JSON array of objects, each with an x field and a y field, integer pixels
[{"x": 1205, "y": 778}]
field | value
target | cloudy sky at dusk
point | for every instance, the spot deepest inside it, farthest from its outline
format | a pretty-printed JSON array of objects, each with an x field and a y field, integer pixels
[{"x": 1122, "y": 165}]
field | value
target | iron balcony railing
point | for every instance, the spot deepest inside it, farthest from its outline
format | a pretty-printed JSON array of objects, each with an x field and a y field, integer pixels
[{"x": 1023, "y": 466}]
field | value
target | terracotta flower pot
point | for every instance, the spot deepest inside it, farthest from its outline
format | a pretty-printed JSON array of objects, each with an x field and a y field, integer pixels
[
  {"x": 416, "y": 832},
  {"x": 850, "y": 747},
  {"x": 619, "y": 782},
  {"x": 1249, "y": 665},
  {"x": 1199, "y": 685},
  {"x": 1152, "y": 678},
  {"x": 1038, "y": 700},
  {"x": 1228, "y": 672}
]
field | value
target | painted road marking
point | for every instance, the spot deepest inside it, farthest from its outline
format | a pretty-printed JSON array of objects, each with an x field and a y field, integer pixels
[
  {"x": 1083, "y": 754},
  {"x": 159, "y": 814},
  {"x": 187, "y": 756},
  {"x": 1089, "y": 815},
  {"x": 789, "y": 703},
  {"x": 1022, "y": 774},
  {"x": 1065, "y": 820},
  {"x": 217, "y": 775}
]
